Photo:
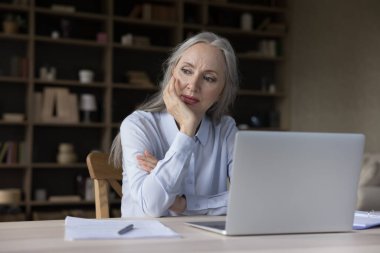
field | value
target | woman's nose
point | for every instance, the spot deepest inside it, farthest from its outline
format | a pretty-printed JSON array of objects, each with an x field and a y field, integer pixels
[{"x": 193, "y": 83}]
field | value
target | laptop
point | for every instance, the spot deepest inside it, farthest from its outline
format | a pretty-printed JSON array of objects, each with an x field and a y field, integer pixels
[{"x": 291, "y": 182}]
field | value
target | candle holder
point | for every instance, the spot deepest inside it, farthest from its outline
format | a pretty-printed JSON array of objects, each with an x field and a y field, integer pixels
[{"x": 87, "y": 105}]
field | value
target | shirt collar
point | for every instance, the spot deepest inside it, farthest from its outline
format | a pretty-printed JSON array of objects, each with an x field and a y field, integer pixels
[{"x": 204, "y": 130}]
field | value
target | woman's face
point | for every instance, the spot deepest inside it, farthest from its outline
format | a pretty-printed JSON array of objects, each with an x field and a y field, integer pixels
[{"x": 201, "y": 77}]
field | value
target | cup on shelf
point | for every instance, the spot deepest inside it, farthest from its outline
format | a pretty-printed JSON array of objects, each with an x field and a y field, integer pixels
[
  {"x": 272, "y": 88},
  {"x": 55, "y": 34},
  {"x": 48, "y": 73},
  {"x": 86, "y": 76},
  {"x": 246, "y": 21},
  {"x": 40, "y": 195},
  {"x": 127, "y": 39}
]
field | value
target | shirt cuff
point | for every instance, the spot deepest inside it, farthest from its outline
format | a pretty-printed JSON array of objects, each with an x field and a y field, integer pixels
[{"x": 181, "y": 144}]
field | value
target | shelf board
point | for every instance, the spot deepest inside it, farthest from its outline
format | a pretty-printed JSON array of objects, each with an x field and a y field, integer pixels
[
  {"x": 12, "y": 166},
  {"x": 59, "y": 166},
  {"x": 235, "y": 31},
  {"x": 60, "y": 203},
  {"x": 129, "y": 86},
  {"x": 248, "y": 7},
  {"x": 193, "y": 26},
  {"x": 13, "y": 79},
  {"x": 115, "y": 125},
  {"x": 249, "y": 56},
  {"x": 151, "y": 48},
  {"x": 76, "y": 125},
  {"x": 13, "y": 123},
  {"x": 143, "y": 22},
  {"x": 192, "y": 2},
  {"x": 14, "y": 7},
  {"x": 75, "y": 83},
  {"x": 70, "y": 41},
  {"x": 76, "y": 14},
  {"x": 238, "y": 31},
  {"x": 257, "y": 93},
  {"x": 15, "y": 36}
]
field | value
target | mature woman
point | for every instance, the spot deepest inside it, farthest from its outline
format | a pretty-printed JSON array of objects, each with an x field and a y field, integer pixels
[{"x": 176, "y": 149}]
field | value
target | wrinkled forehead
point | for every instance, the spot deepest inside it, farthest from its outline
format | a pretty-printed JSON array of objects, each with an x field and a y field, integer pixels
[{"x": 205, "y": 56}]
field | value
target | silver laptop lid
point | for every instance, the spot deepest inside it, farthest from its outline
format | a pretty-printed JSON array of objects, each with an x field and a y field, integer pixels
[{"x": 293, "y": 182}]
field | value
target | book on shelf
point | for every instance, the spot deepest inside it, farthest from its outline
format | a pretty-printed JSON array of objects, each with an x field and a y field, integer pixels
[
  {"x": 136, "y": 11},
  {"x": 263, "y": 25},
  {"x": 18, "y": 66},
  {"x": 150, "y": 11},
  {"x": 163, "y": 13},
  {"x": 63, "y": 8},
  {"x": 3, "y": 151},
  {"x": 12, "y": 152},
  {"x": 276, "y": 27},
  {"x": 56, "y": 105},
  {"x": 139, "y": 78},
  {"x": 37, "y": 106},
  {"x": 48, "y": 98}
]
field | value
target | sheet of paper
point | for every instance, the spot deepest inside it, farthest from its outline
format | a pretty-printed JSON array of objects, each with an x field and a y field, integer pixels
[
  {"x": 82, "y": 229},
  {"x": 364, "y": 220}
]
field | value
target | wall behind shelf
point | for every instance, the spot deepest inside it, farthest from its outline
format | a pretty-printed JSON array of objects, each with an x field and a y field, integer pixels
[{"x": 334, "y": 67}]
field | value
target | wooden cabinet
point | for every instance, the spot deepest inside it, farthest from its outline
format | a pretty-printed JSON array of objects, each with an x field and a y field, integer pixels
[{"x": 115, "y": 40}]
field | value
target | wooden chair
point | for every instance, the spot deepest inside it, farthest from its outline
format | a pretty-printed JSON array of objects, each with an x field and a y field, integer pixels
[{"x": 103, "y": 174}]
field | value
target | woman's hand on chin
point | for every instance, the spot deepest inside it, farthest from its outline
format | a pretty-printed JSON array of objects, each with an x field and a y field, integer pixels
[{"x": 187, "y": 120}]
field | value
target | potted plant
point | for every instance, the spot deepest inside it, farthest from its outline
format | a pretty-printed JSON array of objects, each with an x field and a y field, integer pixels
[{"x": 12, "y": 23}]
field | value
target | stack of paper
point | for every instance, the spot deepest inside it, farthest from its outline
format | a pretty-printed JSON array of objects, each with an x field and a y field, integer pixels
[
  {"x": 364, "y": 220},
  {"x": 81, "y": 229}
]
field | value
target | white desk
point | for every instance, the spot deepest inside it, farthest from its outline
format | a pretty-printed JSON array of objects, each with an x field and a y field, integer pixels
[{"x": 48, "y": 236}]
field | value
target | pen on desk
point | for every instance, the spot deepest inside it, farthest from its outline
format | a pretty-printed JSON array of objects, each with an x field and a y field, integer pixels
[{"x": 126, "y": 229}]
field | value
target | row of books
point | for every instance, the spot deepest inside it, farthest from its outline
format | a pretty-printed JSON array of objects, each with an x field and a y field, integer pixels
[
  {"x": 18, "y": 66},
  {"x": 150, "y": 11},
  {"x": 12, "y": 152},
  {"x": 55, "y": 105}
]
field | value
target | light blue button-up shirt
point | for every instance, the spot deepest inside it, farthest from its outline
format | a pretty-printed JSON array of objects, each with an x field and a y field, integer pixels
[{"x": 197, "y": 167}]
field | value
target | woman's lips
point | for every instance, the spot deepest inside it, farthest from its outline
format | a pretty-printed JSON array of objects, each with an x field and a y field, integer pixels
[{"x": 189, "y": 100}]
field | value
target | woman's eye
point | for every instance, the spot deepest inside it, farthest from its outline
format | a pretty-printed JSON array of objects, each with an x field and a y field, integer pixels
[
  {"x": 186, "y": 71},
  {"x": 210, "y": 79}
]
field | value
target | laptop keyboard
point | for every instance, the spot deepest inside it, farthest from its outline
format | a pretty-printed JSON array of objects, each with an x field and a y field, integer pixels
[{"x": 221, "y": 225}]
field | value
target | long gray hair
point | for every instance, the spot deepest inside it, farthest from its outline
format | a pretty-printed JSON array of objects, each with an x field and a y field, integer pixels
[{"x": 215, "y": 112}]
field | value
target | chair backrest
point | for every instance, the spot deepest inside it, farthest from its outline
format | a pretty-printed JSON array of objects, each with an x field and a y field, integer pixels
[{"x": 104, "y": 175}]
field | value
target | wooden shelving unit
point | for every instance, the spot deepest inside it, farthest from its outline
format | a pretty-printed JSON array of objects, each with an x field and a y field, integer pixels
[{"x": 116, "y": 96}]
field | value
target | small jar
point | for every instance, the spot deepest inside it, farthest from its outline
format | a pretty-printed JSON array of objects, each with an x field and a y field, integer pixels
[
  {"x": 246, "y": 21},
  {"x": 66, "y": 158},
  {"x": 66, "y": 154}
]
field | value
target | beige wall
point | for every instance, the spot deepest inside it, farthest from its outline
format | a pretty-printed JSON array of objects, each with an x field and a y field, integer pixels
[{"x": 334, "y": 66}]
